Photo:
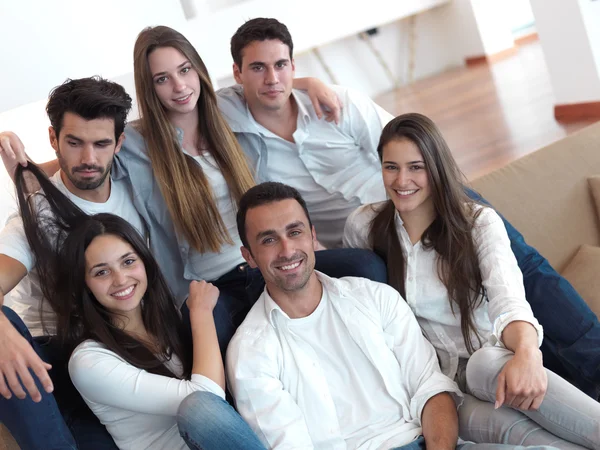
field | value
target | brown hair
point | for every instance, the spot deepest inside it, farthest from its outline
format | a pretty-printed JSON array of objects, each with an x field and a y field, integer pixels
[
  {"x": 450, "y": 234},
  {"x": 259, "y": 29},
  {"x": 183, "y": 184}
]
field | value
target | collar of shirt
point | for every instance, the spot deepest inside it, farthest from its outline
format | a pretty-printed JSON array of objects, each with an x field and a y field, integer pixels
[
  {"x": 303, "y": 118},
  {"x": 272, "y": 308}
]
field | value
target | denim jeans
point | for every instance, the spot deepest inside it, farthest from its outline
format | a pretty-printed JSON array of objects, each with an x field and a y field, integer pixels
[
  {"x": 241, "y": 287},
  {"x": 419, "y": 444},
  {"x": 61, "y": 420},
  {"x": 571, "y": 345},
  {"x": 567, "y": 418},
  {"x": 208, "y": 422}
]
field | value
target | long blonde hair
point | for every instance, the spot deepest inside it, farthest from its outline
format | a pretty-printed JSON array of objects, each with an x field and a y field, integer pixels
[{"x": 182, "y": 182}]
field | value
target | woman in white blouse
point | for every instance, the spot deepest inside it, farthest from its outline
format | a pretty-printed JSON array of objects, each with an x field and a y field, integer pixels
[
  {"x": 451, "y": 260},
  {"x": 132, "y": 360}
]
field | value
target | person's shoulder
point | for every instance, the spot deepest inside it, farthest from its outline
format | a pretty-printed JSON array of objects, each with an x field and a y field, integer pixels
[
  {"x": 484, "y": 215},
  {"x": 364, "y": 214}
]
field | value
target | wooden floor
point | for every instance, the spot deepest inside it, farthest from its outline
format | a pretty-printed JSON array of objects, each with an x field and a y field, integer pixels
[{"x": 489, "y": 114}]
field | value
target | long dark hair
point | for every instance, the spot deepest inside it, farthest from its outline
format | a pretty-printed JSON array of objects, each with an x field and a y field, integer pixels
[
  {"x": 450, "y": 234},
  {"x": 58, "y": 233}
]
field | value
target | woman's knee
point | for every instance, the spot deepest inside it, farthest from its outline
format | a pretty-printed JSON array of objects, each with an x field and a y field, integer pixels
[{"x": 484, "y": 366}]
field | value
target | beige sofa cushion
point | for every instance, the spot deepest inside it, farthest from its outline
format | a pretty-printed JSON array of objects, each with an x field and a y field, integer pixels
[{"x": 583, "y": 272}]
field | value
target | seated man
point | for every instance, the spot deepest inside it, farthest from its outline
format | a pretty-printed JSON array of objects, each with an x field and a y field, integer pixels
[
  {"x": 336, "y": 168},
  {"x": 87, "y": 119},
  {"x": 330, "y": 363}
]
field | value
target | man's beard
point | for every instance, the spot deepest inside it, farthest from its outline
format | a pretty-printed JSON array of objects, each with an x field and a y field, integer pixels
[{"x": 85, "y": 185}]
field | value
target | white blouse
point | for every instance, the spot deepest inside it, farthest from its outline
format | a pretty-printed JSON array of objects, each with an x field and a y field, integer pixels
[
  {"x": 138, "y": 408},
  {"x": 427, "y": 295}
]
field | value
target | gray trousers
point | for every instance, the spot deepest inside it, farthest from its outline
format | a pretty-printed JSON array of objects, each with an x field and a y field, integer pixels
[{"x": 567, "y": 418}]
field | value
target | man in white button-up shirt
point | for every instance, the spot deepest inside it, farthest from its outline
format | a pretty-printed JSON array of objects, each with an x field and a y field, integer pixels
[
  {"x": 334, "y": 166},
  {"x": 329, "y": 363}
]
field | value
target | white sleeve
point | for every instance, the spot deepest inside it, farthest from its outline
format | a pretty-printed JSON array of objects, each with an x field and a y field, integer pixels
[
  {"x": 260, "y": 398},
  {"x": 416, "y": 356},
  {"x": 357, "y": 228},
  {"x": 501, "y": 276},
  {"x": 13, "y": 242},
  {"x": 102, "y": 377},
  {"x": 363, "y": 118}
]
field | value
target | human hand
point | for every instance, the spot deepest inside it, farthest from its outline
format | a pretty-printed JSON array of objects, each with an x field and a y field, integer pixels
[
  {"x": 16, "y": 358},
  {"x": 523, "y": 381},
  {"x": 12, "y": 151},
  {"x": 203, "y": 297},
  {"x": 322, "y": 95}
]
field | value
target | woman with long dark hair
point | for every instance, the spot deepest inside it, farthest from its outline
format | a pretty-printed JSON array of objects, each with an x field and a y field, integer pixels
[
  {"x": 451, "y": 260},
  {"x": 132, "y": 360}
]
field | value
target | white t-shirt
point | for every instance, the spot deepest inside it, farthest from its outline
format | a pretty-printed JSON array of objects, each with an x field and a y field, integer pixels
[
  {"x": 368, "y": 415},
  {"x": 213, "y": 265},
  {"x": 138, "y": 408},
  {"x": 26, "y": 298}
]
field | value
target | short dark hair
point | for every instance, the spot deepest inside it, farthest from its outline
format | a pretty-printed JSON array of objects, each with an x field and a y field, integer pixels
[
  {"x": 91, "y": 98},
  {"x": 259, "y": 29},
  {"x": 263, "y": 194}
]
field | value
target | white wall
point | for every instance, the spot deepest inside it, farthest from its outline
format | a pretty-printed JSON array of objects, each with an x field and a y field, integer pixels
[
  {"x": 567, "y": 48},
  {"x": 590, "y": 11}
]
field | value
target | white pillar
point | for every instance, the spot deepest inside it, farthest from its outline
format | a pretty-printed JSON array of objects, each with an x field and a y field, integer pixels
[{"x": 569, "y": 33}]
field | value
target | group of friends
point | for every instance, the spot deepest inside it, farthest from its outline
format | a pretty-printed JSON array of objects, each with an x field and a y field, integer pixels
[{"x": 279, "y": 264}]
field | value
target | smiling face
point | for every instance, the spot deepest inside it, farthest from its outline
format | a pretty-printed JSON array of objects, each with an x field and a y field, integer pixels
[
  {"x": 282, "y": 245},
  {"x": 406, "y": 178},
  {"x": 176, "y": 83},
  {"x": 115, "y": 274},
  {"x": 267, "y": 74}
]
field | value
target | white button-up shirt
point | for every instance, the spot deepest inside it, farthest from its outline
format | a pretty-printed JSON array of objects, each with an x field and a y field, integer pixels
[
  {"x": 427, "y": 295},
  {"x": 335, "y": 167},
  {"x": 280, "y": 384}
]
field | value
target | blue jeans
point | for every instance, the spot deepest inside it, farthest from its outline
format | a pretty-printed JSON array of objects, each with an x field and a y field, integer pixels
[
  {"x": 241, "y": 287},
  {"x": 419, "y": 444},
  {"x": 571, "y": 345},
  {"x": 207, "y": 422},
  {"x": 61, "y": 420}
]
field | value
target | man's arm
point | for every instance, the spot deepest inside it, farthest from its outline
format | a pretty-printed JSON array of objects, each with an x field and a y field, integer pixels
[
  {"x": 321, "y": 95},
  {"x": 261, "y": 399},
  {"x": 439, "y": 421},
  {"x": 12, "y": 152},
  {"x": 16, "y": 354}
]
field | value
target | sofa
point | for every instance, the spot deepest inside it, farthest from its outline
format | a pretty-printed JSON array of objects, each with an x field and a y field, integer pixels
[{"x": 547, "y": 196}]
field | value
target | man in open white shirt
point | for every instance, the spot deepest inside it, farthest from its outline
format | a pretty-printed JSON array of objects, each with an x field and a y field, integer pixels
[
  {"x": 329, "y": 363},
  {"x": 88, "y": 117},
  {"x": 335, "y": 167}
]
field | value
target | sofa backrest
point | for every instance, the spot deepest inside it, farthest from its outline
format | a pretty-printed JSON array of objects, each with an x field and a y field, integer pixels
[{"x": 545, "y": 195}]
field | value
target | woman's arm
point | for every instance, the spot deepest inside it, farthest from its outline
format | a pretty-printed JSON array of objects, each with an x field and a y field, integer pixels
[
  {"x": 207, "y": 355},
  {"x": 522, "y": 382}
]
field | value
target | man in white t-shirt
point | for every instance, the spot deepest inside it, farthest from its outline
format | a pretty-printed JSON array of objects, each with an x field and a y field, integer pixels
[
  {"x": 335, "y": 167},
  {"x": 87, "y": 119},
  {"x": 329, "y": 363}
]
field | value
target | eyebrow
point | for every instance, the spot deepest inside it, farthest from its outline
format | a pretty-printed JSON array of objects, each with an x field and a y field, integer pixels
[
  {"x": 410, "y": 162},
  {"x": 260, "y": 63},
  {"x": 291, "y": 226},
  {"x": 101, "y": 141},
  {"x": 179, "y": 67},
  {"x": 105, "y": 264}
]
